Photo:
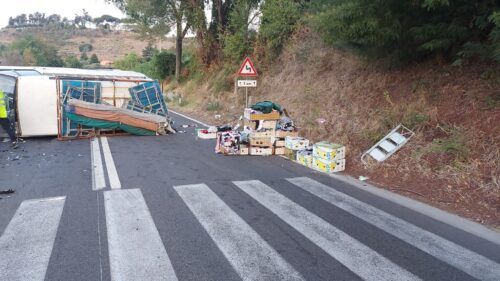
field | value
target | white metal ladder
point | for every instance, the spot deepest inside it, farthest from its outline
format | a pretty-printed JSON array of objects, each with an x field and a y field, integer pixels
[{"x": 389, "y": 144}]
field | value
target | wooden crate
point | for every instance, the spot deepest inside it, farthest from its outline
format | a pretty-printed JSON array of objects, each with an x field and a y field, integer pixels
[
  {"x": 263, "y": 134},
  {"x": 279, "y": 151},
  {"x": 283, "y": 134},
  {"x": 274, "y": 115},
  {"x": 260, "y": 151},
  {"x": 279, "y": 143},
  {"x": 261, "y": 142}
]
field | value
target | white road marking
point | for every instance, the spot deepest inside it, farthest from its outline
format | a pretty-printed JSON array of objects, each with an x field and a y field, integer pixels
[
  {"x": 424, "y": 209},
  {"x": 470, "y": 262},
  {"x": 27, "y": 242},
  {"x": 356, "y": 256},
  {"x": 189, "y": 118},
  {"x": 114, "y": 180},
  {"x": 251, "y": 256},
  {"x": 98, "y": 181},
  {"x": 136, "y": 251}
]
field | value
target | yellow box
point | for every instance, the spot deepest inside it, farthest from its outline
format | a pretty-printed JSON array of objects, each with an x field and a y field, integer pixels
[
  {"x": 329, "y": 151},
  {"x": 328, "y": 166},
  {"x": 305, "y": 159},
  {"x": 263, "y": 134},
  {"x": 244, "y": 150},
  {"x": 296, "y": 143}
]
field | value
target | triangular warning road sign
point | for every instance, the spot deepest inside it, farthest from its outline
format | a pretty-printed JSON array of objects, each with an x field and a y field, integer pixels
[{"x": 247, "y": 68}]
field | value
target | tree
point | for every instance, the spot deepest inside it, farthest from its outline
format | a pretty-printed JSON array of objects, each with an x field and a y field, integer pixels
[
  {"x": 94, "y": 59},
  {"x": 72, "y": 62},
  {"x": 148, "y": 52},
  {"x": 238, "y": 39},
  {"x": 155, "y": 18},
  {"x": 33, "y": 48},
  {"x": 277, "y": 24},
  {"x": 410, "y": 30},
  {"x": 163, "y": 64},
  {"x": 130, "y": 61}
]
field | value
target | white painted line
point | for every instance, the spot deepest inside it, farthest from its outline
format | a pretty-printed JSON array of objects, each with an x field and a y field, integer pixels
[
  {"x": 251, "y": 256},
  {"x": 136, "y": 251},
  {"x": 189, "y": 118},
  {"x": 114, "y": 180},
  {"x": 470, "y": 262},
  {"x": 27, "y": 242},
  {"x": 425, "y": 209},
  {"x": 98, "y": 181},
  {"x": 359, "y": 258}
]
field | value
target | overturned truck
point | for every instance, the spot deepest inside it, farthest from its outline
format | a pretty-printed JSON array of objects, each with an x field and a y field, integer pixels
[{"x": 77, "y": 103}]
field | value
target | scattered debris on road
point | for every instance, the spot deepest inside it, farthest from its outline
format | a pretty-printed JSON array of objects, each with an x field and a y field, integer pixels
[
  {"x": 8, "y": 191},
  {"x": 267, "y": 130}
]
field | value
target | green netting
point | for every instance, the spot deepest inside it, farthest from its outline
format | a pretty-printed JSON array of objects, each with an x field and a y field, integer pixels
[{"x": 103, "y": 124}]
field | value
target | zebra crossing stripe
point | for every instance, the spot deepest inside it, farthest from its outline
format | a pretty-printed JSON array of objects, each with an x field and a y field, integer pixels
[
  {"x": 136, "y": 251},
  {"x": 114, "y": 180},
  {"x": 27, "y": 242},
  {"x": 356, "y": 256},
  {"x": 471, "y": 263},
  {"x": 251, "y": 256},
  {"x": 98, "y": 181}
]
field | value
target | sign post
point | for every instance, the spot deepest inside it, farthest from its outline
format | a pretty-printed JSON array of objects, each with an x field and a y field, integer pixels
[{"x": 247, "y": 70}]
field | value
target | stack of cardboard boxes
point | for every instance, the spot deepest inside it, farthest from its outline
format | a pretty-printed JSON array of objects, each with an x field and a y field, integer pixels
[
  {"x": 328, "y": 157},
  {"x": 264, "y": 139}
]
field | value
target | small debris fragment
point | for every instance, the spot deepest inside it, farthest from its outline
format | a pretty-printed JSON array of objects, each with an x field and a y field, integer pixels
[
  {"x": 8, "y": 191},
  {"x": 363, "y": 178}
]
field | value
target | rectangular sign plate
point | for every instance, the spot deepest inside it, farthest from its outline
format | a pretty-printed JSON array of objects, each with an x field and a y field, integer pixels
[{"x": 247, "y": 83}]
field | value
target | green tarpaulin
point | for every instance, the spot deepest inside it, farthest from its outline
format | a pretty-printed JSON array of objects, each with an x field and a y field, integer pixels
[{"x": 108, "y": 125}]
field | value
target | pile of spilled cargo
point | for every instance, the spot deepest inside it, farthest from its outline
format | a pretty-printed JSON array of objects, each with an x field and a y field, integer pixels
[{"x": 265, "y": 129}]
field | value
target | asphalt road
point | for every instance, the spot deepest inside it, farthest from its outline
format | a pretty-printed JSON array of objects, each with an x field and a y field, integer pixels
[{"x": 169, "y": 208}]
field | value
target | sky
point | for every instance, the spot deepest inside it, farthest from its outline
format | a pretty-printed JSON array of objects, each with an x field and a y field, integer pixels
[{"x": 65, "y": 8}]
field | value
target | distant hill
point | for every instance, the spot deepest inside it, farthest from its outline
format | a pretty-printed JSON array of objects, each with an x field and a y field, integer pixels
[{"x": 106, "y": 44}]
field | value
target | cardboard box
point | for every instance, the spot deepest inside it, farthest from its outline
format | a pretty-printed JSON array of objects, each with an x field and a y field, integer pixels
[
  {"x": 329, "y": 151},
  {"x": 263, "y": 134},
  {"x": 244, "y": 150},
  {"x": 291, "y": 154},
  {"x": 274, "y": 115},
  {"x": 328, "y": 166},
  {"x": 279, "y": 151},
  {"x": 261, "y": 142},
  {"x": 296, "y": 143},
  {"x": 279, "y": 143},
  {"x": 269, "y": 124},
  {"x": 305, "y": 158},
  {"x": 259, "y": 151},
  {"x": 283, "y": 134}
]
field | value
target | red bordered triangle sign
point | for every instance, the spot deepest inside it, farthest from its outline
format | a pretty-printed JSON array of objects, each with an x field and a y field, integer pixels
[{"x": 247, "y": 68}]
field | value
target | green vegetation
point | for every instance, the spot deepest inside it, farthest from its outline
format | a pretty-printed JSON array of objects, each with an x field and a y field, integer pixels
[
  {"x": 160, "y": 66},
  {"x": 56, "y": 21},
  {"x": 413, "y": 30},
  {"x": 30, "y": 51}
]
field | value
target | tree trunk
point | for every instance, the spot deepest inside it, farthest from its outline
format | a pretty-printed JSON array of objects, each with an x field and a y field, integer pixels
[{"x": 178, "y": 53}]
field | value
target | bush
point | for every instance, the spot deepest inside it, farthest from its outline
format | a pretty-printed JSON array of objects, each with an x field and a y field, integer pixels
[
  {"x": 85, "y": 48},
  {"x": 412, "y": 30},
  {"x": 129, "y": 62},
  {"x": 36, "y": 52},
  {"x": 278, "y": 22},
  {"x": 94, "y": 59},
  {"x": 72, "y": 62}
]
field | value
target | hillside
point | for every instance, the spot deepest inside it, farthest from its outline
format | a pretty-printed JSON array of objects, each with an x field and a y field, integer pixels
[
  {"x": 453, "y": 162},
  {"x": 108, "y": 45}
]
